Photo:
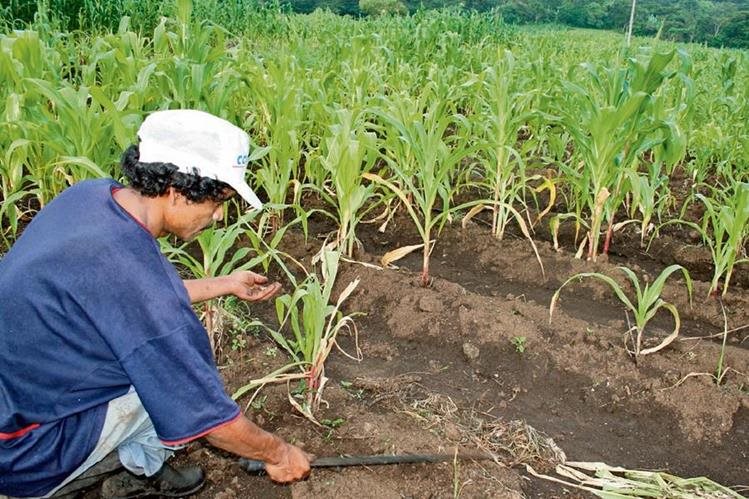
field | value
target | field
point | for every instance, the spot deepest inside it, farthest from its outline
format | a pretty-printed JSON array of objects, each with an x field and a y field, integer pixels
[{"x": 547, "y": 231}]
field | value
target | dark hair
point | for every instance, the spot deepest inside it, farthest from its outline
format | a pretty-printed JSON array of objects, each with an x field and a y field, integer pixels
[{"x": 153, "y": 179}]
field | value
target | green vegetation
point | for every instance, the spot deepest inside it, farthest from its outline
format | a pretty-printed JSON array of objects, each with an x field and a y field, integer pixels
[
  {"x": 519, "y": 343},
  {"x": 216, "y": 258},
  {"x": 724, "y": 230},
  {"x": 616, "y": 114},
  {"x": 714, "y": 22},
  {"x": 438, "y": 115},
  {"x": 646, "y": 304},
  {"x": 314, "y": 321}
]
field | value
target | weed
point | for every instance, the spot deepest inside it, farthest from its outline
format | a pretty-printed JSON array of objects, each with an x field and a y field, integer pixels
[
  {"x": 238, "y": 341},
  {"x": 519, "y": 343},
  {"x": 259, "y": 403}
]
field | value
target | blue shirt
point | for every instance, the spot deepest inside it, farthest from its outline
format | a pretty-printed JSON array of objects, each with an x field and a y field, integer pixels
[{"x": 88, "y": 307}]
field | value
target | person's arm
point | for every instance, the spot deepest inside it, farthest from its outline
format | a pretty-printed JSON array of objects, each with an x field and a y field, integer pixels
[
  {"x": 242, "y": 284},
  {"x": 283, "y": 462}
]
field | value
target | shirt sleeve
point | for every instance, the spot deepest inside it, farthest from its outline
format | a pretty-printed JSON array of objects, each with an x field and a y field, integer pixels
[{"x": 180, "y": 387}]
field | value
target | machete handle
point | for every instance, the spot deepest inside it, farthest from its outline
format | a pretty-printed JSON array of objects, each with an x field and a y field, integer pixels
[{"x": 251, "y": 466}]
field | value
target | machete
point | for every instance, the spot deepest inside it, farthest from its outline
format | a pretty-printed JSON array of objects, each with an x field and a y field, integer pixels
[{"x": 380, "y": 459}]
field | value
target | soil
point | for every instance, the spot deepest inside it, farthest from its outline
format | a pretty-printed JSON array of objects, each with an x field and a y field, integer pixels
[{"x": 473, "y": 363}]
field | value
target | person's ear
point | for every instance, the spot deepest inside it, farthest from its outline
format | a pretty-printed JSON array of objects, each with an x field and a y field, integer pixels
[{"x": 173, "y": 195}]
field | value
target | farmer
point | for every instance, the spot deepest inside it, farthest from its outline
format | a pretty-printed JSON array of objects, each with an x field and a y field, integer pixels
[{"x": 100, "y": 349}]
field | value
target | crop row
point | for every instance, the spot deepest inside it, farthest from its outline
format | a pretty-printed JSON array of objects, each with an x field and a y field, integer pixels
[
  {"x": 427, "y": 110},
  {"x": 433, "y": 115}
]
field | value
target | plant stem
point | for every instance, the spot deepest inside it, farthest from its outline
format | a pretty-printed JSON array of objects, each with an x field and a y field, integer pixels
[
  {"x": 425, "y": 266},
  {"x": 719, "y": 372},
  {"x": 609, "y": 234}
]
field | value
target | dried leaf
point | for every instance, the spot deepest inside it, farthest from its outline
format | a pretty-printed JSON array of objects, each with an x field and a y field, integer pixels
[
  {"x": 472, "y": 213},
  {"x": 397, "y": 254}
]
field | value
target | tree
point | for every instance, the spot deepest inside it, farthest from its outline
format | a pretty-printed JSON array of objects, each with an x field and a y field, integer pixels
[
  {"x": 736, "y": 31},
  {"x": 382, "y": 7},
  {"x": 528, "y": 11}
]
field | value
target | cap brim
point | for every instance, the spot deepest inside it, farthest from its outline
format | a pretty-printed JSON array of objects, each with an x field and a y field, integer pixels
[{"x": 248, "y": 195}]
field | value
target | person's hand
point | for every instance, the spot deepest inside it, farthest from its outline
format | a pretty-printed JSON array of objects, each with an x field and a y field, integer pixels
[
  {"x": 293, "y": 465},
  {"x": 250, "y": 286}
]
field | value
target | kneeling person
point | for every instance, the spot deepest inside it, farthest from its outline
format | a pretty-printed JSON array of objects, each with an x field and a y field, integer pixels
[{"x": 99, "y": 344}]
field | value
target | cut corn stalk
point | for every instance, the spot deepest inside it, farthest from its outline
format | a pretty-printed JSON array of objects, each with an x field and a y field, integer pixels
[{"x": 610, "y": 482}]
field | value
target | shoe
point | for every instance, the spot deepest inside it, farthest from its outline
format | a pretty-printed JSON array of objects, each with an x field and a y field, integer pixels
[{"x": 167, "y": 482}]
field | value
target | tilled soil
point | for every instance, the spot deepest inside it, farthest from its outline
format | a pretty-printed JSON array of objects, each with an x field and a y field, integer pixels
[{"x": 466, "y": 362}]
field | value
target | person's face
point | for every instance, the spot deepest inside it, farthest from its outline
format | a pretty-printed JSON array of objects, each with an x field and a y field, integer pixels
[{"x": 186, "y": 219}]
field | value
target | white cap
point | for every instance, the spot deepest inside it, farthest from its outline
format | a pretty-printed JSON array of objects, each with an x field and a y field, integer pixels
[{"x": 195, "y": 140}]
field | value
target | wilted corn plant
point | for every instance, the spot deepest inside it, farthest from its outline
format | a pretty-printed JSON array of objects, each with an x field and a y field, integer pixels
[
  {"x": 214, "y": 244},
  {"x": 646, "y": 304},
  {"x": 345, "y": 154},
  {"x": 624, "y": 112},
  {"x": 315, "y": 322},
  {"x": 613, "y": 482},
  {"x": 725, "y": 231},
  {"x": 424, "y": 145}
]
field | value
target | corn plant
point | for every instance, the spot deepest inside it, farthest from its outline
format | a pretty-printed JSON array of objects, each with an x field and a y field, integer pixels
[
  {"x": 15, "y": 187},
  {"x": 424, "y": 153},
  {"x": 505, "y": 110},
  {"x": 719, "y": 136},
  {"x": 193, "y": 70},
  {"x": 346, "y": 153},
  {"x": 315, "y": 322},
  {"x": 265, "y": 242},
  {"x": 216, "y": 258},
  {"x": 278, "y": 95},
  {"x": 649, "y": 196},
  {"x": 63, "y": 141},
  {"x": 646, "y": 303},
  {"x": 624, "y": 113},
  {"x": 725, "y": 231}
]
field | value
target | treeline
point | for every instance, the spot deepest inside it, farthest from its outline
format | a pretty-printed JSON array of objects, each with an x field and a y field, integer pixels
[
  {"x": 716, "y": 23},
  {"x": 712, "y": 22}
]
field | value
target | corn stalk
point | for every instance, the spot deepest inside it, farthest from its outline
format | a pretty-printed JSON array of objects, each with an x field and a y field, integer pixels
[
  {"x": 346, "y": 153},
  {"x": 424, "y": 153},
  {"x": 623, "y": 113},
  {"x": 646, "y": 304},
  {"x": 315, "y": 321}
]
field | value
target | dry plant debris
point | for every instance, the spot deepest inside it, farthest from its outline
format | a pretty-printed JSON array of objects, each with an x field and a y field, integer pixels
[{"x": 507, "y": 442}]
